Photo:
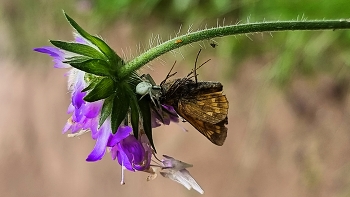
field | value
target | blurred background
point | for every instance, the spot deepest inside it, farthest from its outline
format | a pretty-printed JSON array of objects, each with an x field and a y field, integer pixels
[{"x": 289, "y": 129}]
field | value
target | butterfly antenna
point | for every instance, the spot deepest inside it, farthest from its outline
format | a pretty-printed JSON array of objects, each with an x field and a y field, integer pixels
[
  {"x": 203, "y": 64},
  {"x": 169, "y": 75},
  {"x": 195, "y": 66},
  {"x": 194, "y": 71}
]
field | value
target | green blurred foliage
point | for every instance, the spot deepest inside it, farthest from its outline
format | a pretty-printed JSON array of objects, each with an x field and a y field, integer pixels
[{"x": 32, "y": 22}]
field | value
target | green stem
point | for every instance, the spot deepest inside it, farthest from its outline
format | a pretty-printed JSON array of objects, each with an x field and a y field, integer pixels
[{"x": 206, "y": 34}]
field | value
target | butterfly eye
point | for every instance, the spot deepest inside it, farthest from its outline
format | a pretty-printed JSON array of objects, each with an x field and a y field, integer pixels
[{"x": 143, "y": 88}]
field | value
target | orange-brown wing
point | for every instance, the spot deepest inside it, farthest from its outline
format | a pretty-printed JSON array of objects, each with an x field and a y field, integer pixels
[
  {"x": 211, "y": 107},
  {"x": 216, "y": 133}
]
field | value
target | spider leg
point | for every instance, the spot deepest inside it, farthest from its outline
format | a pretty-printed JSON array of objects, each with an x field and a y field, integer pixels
[
  {"x": 142, "y": 96},
  {"x": 145, "y": 95}
]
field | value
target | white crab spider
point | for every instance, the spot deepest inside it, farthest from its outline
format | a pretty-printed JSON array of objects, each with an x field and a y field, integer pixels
[
  {"x": 144, "y": 88},
  {"x": 148, "y": 87}
]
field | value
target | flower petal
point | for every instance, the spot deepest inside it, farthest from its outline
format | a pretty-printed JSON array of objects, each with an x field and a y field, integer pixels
[
  {"x": 122, "y": 133},
  {"x": 100, "y": 146},
  {"x": 92, "y": 110},
  {"x": 168, "y": 114},
  {"x": 77, "y": 98},
  {"x": 123, "y": 158},
  {"x": 184, "y": 178},
  {"x": 170, "y": 162},
  {"x": 57, "y": 54}
]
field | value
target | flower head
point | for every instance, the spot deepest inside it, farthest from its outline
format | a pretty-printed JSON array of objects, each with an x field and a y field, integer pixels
[
  {"x": 102, "y": 103},
  {"x": 85, "y": 115}
]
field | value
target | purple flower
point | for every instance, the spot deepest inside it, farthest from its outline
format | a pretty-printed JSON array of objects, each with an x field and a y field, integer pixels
[
  {"x": 131, "y": 153},
  {"x": 176, "y": 171},
  {"x": 85, "y": 115},
  {"x": 168, "y": 114}
]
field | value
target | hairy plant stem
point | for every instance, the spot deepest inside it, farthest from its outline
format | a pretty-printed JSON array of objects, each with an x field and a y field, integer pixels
[{"x": 206, "y": 34}]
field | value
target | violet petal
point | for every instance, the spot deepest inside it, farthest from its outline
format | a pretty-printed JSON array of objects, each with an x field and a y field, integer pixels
[
  {"x": 122, "y": 133},
  {"x": 100, "y": 146}
]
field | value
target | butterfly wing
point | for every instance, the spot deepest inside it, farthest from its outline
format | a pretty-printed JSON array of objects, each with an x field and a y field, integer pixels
[
  {"x": 211, "y": 107},
  {"x": 216, "y": 133}
]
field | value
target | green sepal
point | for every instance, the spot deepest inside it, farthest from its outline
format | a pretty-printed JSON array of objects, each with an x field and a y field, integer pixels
[
  {"x": 134, "y": 113},
  {"x": 121, "y": 104},
  {"x": 94, "y": 66},
  {"x": 77, "y": 59},
  {"x": 91, "y": 86},
  {"x": 91, "y": 80},
  {"x": 146, "y": 120},
  {"x": 106, "y": 109},
  {"x": 102, "y": 90},
  {"x": 104, "y": 48},
  {"x": 78, "y": 48}
]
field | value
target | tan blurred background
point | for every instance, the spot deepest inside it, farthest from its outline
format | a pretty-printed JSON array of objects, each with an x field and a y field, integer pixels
[{"x": 289, "y": 131}]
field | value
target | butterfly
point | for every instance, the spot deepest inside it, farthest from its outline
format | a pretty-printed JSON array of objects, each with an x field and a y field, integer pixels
[{"x": 201, "y": 103}]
